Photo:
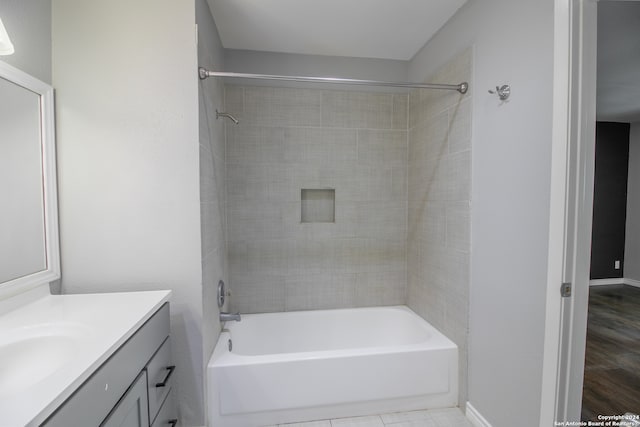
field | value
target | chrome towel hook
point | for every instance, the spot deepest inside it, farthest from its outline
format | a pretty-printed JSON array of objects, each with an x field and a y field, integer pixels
[{"x": 503, "y": 92}]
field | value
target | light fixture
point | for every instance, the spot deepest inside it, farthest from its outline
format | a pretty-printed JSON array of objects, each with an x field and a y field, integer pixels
[{"x": 6, "y": 47}]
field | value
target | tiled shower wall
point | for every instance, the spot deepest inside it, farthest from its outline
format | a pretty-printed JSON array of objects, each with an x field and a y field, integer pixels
[
  {"x": 291, "y": 139},
  {"x": 438, "y": 245},
  {"x": 212, "y": 179}
]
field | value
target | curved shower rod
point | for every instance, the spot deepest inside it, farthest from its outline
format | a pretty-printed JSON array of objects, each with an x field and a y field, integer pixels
[{"x": 462, "y": 87}]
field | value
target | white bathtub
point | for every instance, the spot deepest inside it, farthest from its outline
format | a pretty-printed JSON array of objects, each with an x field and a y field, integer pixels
[{"x": 306, "y": 365}]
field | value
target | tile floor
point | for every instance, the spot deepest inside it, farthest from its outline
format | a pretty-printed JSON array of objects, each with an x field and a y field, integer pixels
[{"x": 451, "y": 417}]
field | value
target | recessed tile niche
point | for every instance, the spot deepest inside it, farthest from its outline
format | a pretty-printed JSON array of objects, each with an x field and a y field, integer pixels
[{"x": 318, "y": 205}]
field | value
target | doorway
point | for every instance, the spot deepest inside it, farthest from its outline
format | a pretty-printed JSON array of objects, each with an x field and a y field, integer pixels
[
  {"x": 612, "y": 355},
  {"x": 571, "y": 213}
]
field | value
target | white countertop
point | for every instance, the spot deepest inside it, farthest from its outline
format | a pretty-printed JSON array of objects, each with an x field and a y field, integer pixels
[{"x": 93, "y": 326}]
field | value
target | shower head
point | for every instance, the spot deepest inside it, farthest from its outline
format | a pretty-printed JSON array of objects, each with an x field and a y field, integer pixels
[{"x": 227, "y": 115}]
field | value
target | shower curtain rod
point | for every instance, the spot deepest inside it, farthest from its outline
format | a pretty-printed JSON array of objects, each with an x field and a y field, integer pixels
[{"x": 462, "y": 87}]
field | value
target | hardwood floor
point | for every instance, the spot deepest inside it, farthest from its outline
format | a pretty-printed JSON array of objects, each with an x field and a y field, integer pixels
[{"x": 612, "y": 361}]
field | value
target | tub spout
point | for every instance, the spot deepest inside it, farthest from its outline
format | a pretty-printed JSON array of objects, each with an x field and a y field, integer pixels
[{"x": 229, "y": 316}]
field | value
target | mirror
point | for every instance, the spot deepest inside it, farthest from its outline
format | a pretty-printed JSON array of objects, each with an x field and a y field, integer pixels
[{"x": 29, "y": 252}]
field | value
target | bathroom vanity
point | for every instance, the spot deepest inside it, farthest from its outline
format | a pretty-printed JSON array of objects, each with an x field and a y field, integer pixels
[
  {"x": 133, "y": 384},
  {"x": 86, "y": 360},
  {"x": 65, "y": 360}
]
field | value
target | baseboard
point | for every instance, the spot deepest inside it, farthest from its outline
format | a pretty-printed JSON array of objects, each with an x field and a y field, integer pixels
[
  {"x": 632, "y": 282},
  {"x": 604, "y": 282},
  {"x": 615, "y": 281},
  {"x": 475, "y": 417}
]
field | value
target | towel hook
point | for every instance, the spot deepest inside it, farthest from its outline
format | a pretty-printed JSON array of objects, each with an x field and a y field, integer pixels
[{"x": 503, "y": 92}]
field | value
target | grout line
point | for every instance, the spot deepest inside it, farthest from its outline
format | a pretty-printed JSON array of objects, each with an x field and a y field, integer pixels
[{"x": 303, "y": 126}]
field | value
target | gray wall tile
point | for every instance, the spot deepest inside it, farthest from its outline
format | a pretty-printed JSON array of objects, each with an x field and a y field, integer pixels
[
  {"x": 278, "y": 106},
  {"x": 234, "y": 99},
  {"x": 320, "y": 290},
  {"x": 400, "y": 112},
  {"x": 382, "y": 147},
  {"x": 293, "y": 139},
  {"x": 460, "y": 127},
  {"x": 439, "y": 184},
  {"x": 345, "y": 109},
  {"x": 258, "y": 293},
  {"x": 458, "y": 220},
  {"x": 380, "y": 288}
]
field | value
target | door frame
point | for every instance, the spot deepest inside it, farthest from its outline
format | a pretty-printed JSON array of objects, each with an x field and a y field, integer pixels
[{"x": 573, "y": 145}]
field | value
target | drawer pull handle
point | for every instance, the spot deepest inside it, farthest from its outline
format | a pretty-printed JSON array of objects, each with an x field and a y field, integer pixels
[
  {"x": 164, "y": 382},
  {"x": 173, "y": 422}
]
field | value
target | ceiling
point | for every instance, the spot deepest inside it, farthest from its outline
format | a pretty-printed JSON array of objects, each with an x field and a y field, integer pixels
[
  {"x": 618, "y": 94},
  {"x": 389, "y": 29}
]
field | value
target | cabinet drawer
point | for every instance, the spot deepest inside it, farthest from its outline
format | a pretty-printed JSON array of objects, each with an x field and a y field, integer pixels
[
  {"x": 160, "y": 373},
  {"x": 94, "y": 399},
  {"x": 168, "y": 415}
]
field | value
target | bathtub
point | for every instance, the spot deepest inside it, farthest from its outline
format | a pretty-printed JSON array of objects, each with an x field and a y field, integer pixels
[{"x": 307, "y": 365}]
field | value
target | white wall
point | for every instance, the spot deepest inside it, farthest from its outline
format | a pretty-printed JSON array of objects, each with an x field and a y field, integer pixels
[
  {"x": 28, "y": 24},
  {"x": 513, "y": 44},
  {"x": 632, "y": 239},
  {"x": 127, "y": 120}
]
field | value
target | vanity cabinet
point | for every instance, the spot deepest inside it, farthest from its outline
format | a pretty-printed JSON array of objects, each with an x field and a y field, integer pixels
[
  {"x": 131, "y": 411},
  {"x": 132, "y": 388},
  {"x": 159, "y": 372},
  {"x": 167, "y": 415}
]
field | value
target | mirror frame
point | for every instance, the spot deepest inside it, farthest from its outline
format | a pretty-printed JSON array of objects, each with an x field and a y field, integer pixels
[{"x": 49, "y": 182}]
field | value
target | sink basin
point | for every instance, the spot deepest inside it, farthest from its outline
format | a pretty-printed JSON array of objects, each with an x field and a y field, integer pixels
[{"x": 31, "y": 354}]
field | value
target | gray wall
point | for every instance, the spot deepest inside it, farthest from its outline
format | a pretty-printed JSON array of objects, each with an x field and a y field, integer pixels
[
  {"x": 632, "y": 242},
  {"x": 609, "y": 200},
  {"x": 28, "y": 24},
  {"x": 212, "y": 180},
  {"x": 128, "y": 163},
  {"x": 438, "y": 239},
  {"x": 511, "y": 159},
  {"x": 246, "y": 61},
  {"x": 291, "y": 139}
]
